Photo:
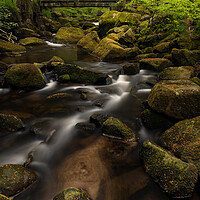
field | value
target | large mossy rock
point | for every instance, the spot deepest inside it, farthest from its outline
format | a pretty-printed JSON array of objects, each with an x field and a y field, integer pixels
[
  {"x": 121, "y": 29},
  {"x": 157, "y": 64},
  {"x": 114, "y": 127},
  {"x": 177, "y": 73},
  {"x": 31, "y": 41},
  {"x": 163, "y": 47},
  {"x": 72, "y": 193},
  {"x": 15, "y": 178},
  {"x": 10, "y": 123},
  {"x": 10, "y": 47},
  {"x": 89, "y": 42},
  {"x": 184, "y": 57},
  {"x": 153, "y": 120},
  {"x": 109, "y": 49},
  {"x": 176, "y": 177},
  {"x": 25, "y": 75},
  {"x": 131, "y": 68},
  {"x": 80, "y": 75},
  {"x": 113, "y": 19},
  {"x": 175, "y": 98},
  {"x": 69, "y": 34},
  {"x": 189, "y": 42},
  {"x": 183, "y": 140},
  {"x": 128, "y": 38}
]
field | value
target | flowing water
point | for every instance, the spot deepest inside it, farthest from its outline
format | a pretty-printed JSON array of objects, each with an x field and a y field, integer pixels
[{"x": 106, "y": 168}]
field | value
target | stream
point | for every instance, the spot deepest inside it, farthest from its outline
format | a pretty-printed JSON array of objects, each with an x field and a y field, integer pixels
[{"x": 107, "y": 168}]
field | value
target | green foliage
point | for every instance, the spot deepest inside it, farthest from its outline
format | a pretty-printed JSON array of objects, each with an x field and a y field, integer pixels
[
  {"x": 10, "y": 5},
  {"x": 47, "y": 13},
  {"x": 180, "y": 14}
]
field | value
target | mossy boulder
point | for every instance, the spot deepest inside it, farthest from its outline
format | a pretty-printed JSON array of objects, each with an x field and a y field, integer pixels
[
  {"x": 109, "y": 49},
  {"x": 114, "y": 36},
  {"x": 31, "y": 41},
  {"x": 114, "y": 127},
  {"x": 131, "y": 68},
  {"x": 121, "y": 29},
  {"x": 113, "y": 19},
  {"x": 163, "y": 47},
  {"x": 10, "y": 47},
  {"x": 153, "y": 120},
  {"x": 98, "y": 118},
  {"x": 177, "y": 73},
  {"x": 131, "y": 53},
  {"x": 157, "y": 64},
  {"x": 69, "y": 34},
  {"x": 80, "y": 75},
  {"x": 72, "y": 193},
  {"x": 174, "y": 176},
  {"x": 170, "y": 37},
  {"x": 64, "y": 78},
  {"x": 26, "y": 32},
  {"x": 3, "y": 66},
  {"x": 183, "y": 139},
  {"x": 25, "y": 75},
  {"x": 15, "y": 178},
  {"x": 146, "y": 55},
  {"x": 184, "y": 57},
  {"x": 128, "y": 38},
  {"x": 196, "y": 80},
  {"x": 175, "y": 98},
  {"x": 89, "y": 42},
  {"x": 10, "y": 123},
  {"x": 3, "y": 197},
  {"x": 189, "y": 42}
]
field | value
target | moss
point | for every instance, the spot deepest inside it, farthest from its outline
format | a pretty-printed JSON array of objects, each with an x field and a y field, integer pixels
[
  {"x": 175, "y": 98},
  {"x": 157, "y": 64},
  {"x": 72, "y": 193},
  {"x": 30, "y": 41},
  {"x": 114, "y": 127},
  {"x": 69, "y": 34},
  {"x": 25, "y": 76},
  {"x": 26, "y": 32},
  {"x": 169, "y": 38},
  {"x": 177, "y": 73},
  {"x": 176, "y": 177},
  {"x": 153, "y": 120},
  {"x": 109, "y": 50},
  {"x": 15, "y": 178},
  {"x": 10, "y": 123},
  {"x": 64, "y": 78},
  {"x": 148, "y": 50},
  {"x": 146, "y": 55},
  {"x": 120, "y": 29},
  {"x": 3, "y": 66},
  {"x": 89, "y": 42},
  {"x": 114, "y": 36},
  {"x": 184, "y": 57},
  {"x": 10, "y": 47}
]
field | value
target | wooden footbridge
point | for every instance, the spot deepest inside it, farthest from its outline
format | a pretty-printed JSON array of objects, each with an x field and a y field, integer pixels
[{"x": 77, "y": 3}]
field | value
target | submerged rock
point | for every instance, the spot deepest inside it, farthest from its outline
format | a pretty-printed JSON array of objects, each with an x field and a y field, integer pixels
[
  {"x": 10, "y": 47},
  {"x": 184, "y": 57},
  {"x": 177, "y": 73},
  {"x": 72, "y": 193},
  {"x": 69, "y": 34},
  {"x": 89, "y": 42},
  {"x": 176, "y": 177},
  {"x": 157, "y": 64},
  {"x": 153, "y": 120},
  {"x": 109, "y": 49},
  {"x": 10, "y": 123},
  {"x": 30, "y": 41},
  {"x": 81, "y": 75},
  {"x": 183, "y": 140},
  {"x": 114, "y": 127},
  {"x": 15, "y": 178},
  {"x": 175, "y": 98},
  {"x": 25, "y": 75}
]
